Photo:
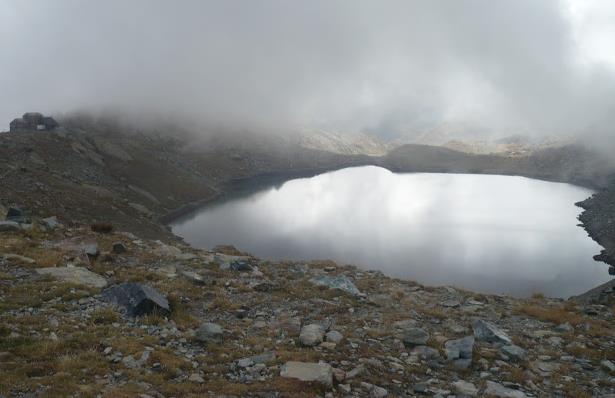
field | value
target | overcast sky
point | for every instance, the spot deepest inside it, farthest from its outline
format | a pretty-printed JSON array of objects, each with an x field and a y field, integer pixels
[{"x": 540, "y": 66}]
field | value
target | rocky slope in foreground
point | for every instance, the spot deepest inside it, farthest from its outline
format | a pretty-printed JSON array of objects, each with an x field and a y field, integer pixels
[
  {"x": 214, "y": 323},
  {"x": 223, "y": 323}
]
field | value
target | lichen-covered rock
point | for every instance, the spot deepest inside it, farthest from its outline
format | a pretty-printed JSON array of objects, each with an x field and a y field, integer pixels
[
  {"x": 209, "y": 332},
  {"x": 498, "y": 390},
  {"x": 514, "y": 352},
  {"x": 77, "y": 275},
  {"x": 415, "y": 337},
  {"x": 315, "y": 372},
  {"x": 460, "y": 351},
  {"x": 9, "y": 226},
  {"x": 311, "y": 335},
  {"x": 341, "y": 282},
  {"x": 136, "y": 299},
  {"x": 485, "y": 331},
  {"x": 50, "y": 223}
]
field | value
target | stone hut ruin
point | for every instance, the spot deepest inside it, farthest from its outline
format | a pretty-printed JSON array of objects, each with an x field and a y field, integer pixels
[{"x": 33, "y": 121}]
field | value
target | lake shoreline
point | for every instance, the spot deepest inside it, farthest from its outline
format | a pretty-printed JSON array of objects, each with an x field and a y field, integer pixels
[{"x": 244, "y": 188}]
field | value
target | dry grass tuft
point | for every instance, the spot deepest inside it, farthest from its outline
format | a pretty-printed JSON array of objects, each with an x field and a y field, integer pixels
[{"x": 556, "y": 315}]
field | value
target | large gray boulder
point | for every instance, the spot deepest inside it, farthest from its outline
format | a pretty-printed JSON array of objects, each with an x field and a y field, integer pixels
[
  {"x": 137, "y": 299},
  {"x": 415, "y": 337},
  {"x": 9, "y": 226},
  {"x": 465, "y": 389},
  {"x": 485, "y": 331},
  {"x": 315, "y": 372},
  {"x": 460, "y": 351},
  {"x": 50, "y": 223},
  {"x": 209, "y": 332},
  {"x": 341, "y": 282},
  {"x": 76, "y": 275},
  {"x": 515, "y": 353},
  {"x": 497, "y": 390},
  {"x": 15, "y": 214},
  {"x": 311, "y": 335}
]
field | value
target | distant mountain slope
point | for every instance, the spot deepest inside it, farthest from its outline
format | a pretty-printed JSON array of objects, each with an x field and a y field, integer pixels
[
  {"x": 94, "y": 171},
  {"x": 573, "y": 163},
  {"x": 344, "y": 144}
]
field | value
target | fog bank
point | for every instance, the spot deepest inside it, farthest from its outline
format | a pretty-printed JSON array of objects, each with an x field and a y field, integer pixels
[{"x": 386, "y": 67}]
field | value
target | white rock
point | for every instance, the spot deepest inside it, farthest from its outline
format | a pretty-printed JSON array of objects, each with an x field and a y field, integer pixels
[
  {"x": 311, "y": 335},
  {"x": 498, "y": 390},
  {"x": 318, "y": 372},
  {"x": 196, "y": 378},
  {"x": 77, "y": 275},
  {"x": 463, "y": 387},
  {"x": 334, "y": 336},
  {"x": 608, "y": 365}
]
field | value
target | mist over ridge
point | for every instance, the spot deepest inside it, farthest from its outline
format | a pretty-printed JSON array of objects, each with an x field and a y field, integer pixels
[{"x": 391, "y": 69}]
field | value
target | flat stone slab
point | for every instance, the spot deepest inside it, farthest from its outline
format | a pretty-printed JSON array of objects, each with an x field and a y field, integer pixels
[
  {"x": 485, "y": 331},
  {"x": 305, "y": 371},
  {"x": 18, "y": 258},
  {"x": 415, "y": 337},
  {"x": 498, "y": 390},
  {"x": 77, "y": 275},
  {"x": 77, "y": 245},
  {"x": 9, "y": 226},
  {"x": 137, "y": 299},
  {"x": 342, "y": 283},
  {"x": 311, "y": 335},
  {"x": 209, "y": 332}
]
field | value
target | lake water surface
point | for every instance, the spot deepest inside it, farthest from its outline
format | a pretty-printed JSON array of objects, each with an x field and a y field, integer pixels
[{"x": 488, "y": 233}]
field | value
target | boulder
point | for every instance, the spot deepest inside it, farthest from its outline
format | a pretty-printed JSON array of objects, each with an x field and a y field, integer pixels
[
  {"x": 311, "y": 335},
  {"x": 305, "y": 371},
  {"x": 240, "y": 265},
  {"x": 136, "y": 299},
  {"x": 264, "y": 358},
  {"x": 485, "y": 331},
  {"x": 460, "y": 351},
  {"x": 15, "y": 214},
  {"x": 608, "y": 366},
  {"x": 498, "y": 390},
  {"x": 334, "y": 336},
  {"x": 564, "y": 328},
  {"x": 79, "y": 246},
  {"x": 77, "y": 275},
  {"x": 514, "y": 352},
  {"x": 209, "y": 332},
  {"x": 18, "y": 258},
  {"x": 415, "y": 337},
  {"x": 193, "y": 277},
  {"x": 374, "y": 390},
  {"x": 140, "y": 208},
  {"x": 426, "y": 353},
  {"x": 9, "y": 226},
  {"x": 465, "y": 389},
  {"x": 50, "y": 223},
  {"x": 340, "y": 282},
  {"x": 118, "y": 248}
]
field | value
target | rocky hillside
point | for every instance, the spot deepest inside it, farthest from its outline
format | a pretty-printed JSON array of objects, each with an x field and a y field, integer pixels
[
  {"x": 92, "y": 305},
  {"x": 344, "y": 144},
  {"x": 95, "y": 171},
  {"x": 598, "y": 219},
  {"x": 574, "y": 164},
  {"x": 87, "y": 172},
  {"x": 111, "y": 314}
]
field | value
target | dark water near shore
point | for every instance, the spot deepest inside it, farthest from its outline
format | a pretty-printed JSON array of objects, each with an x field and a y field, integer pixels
[{"x": 497, "y": 234}]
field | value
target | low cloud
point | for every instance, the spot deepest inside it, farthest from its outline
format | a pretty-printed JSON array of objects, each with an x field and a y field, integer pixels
[{"x": 387, "y": 67}]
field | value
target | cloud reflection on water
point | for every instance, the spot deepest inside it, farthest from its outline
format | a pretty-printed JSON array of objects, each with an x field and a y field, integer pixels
[{"x": 489, "y": 233}]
